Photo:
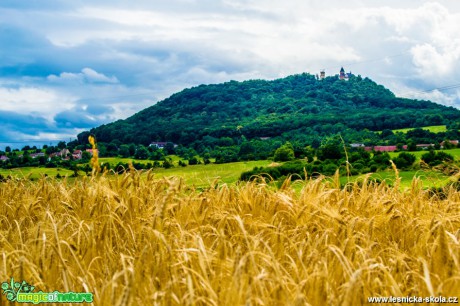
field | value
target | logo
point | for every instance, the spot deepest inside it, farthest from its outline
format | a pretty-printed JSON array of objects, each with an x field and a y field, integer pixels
[{"x": 22, "y": 292}]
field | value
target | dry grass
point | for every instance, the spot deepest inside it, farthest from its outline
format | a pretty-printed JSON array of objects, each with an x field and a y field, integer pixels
[{"x": 134, "y": 241}]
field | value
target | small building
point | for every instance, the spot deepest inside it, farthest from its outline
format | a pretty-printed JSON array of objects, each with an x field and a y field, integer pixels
[
  {"x": 384, "y": 148},
  {"x": 424, "y": 146},
  {"x": 35, "y": 155},
  {"x": 342, "y": 74},
  {"x": 453, "y": 142},
  {"x": 158, "y": 145},
  {"x": 63, "y": 153},
  {"x": 77, "y": 154},
  {"x": 357, "y": 145},
  {"x": 322, "y": 75},
  {"x": 4, "y": 158}
]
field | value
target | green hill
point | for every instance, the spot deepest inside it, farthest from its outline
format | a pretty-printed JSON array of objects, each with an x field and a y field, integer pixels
[{"x": 295, "y": 106}]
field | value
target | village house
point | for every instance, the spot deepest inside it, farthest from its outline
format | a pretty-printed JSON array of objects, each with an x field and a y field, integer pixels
[
  {"x": 453, "y": 142},
  {"x": 424, "y": 146},
  {"x": 77, "y": 154},
  {"x": 158, "y": 145},
  {"x": 63, "y": 153},
  {"x": 4, "y": 158},
  {"x": 35, "y": 155},
  {"x": 384, "y": 148}
]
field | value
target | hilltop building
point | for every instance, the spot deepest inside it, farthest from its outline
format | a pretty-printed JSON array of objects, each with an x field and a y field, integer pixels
[
  {"x": 344, "y": 76},
  {"x": 322, "y": 75}
]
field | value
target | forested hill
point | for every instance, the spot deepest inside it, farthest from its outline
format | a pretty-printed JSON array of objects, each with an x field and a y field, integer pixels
[{"x": 291, "y": 106}]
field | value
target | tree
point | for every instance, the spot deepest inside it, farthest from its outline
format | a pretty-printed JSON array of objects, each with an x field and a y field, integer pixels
[
  {"x": 85, "y": 156},
  {"x": 404, "y": 160},
  {"x": 246, "y": 151},
  {"x": 167, "y": 164},
  {"x": 447, "y": 144},
  {"x": 8, "y": 149},
  {"x": 61, "y": 145},
  {"x": 112, "y": 149},
  {"x": 132, "y": 149},
  {"x": 141, "y": 153},
  {"x": 331, "y": 149},
  {"x": 387, "y": 133},
  {"x": 50, "y": 150},
  {"x": 169, "y": 148},
  {"x": 284, "y": 153},
  {"x": 434, "y": 158},
  {"x": 124, "y": 151},
  {"x": 412, "y": 146}
]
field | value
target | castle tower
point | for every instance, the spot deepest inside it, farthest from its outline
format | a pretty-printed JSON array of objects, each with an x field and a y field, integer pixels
[
  {"x": 322, "y": 75},
  {"x": 342, "y": 74}
]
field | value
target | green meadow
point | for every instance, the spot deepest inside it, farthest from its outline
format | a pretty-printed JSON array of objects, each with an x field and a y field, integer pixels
[
  {"x": 433, "y": 129},
  {"x": 202, "y": 175},
  {"x": 36, "y": 172},
  {"x": 427, "y": 178},
  {"x": 418, "y": 154}
]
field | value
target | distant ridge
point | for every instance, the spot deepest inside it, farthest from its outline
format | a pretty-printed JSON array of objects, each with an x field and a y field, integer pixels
[{"x": 294, "y": 106}]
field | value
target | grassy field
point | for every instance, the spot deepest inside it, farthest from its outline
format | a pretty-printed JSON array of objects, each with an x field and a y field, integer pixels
[
  {"x": 454, "y": 152},
  {"x": 433, "y": 129},
  {"x": 200, "y": 175},
  {"x": 145, "y": 241},
  {"x": 203, "y": 175},
  {"x": 115, "y": 160},
  {"x": 427, "y": 178},
  {"x": 35, "y": 172}
]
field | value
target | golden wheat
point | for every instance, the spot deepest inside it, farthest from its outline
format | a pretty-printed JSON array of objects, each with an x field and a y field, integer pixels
[{"x": 135, "y": 240}]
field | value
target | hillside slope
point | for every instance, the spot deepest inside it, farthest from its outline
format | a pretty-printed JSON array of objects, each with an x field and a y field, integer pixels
[{"x": 298, "y": 104}]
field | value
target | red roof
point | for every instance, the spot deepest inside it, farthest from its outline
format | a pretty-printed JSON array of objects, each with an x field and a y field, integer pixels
[{"x": 385, "y": 148}]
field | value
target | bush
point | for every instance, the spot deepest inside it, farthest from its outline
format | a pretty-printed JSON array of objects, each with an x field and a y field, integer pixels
[
  {"x": 284, "y": 153},
  {"x": 404, "y": 160},
  {"x": 167, "y": 164},
  {"x": 434, "y": 158}
]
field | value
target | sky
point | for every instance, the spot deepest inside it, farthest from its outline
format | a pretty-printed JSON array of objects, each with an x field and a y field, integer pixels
[{"x": 68, "y": 66}]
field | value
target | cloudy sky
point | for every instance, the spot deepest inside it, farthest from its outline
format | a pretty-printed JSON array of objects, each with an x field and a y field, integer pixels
[{"x": 67, "y": 66}]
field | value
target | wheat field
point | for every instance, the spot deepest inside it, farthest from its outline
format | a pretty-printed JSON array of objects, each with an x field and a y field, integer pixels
[{"x": 140, "y": 240}]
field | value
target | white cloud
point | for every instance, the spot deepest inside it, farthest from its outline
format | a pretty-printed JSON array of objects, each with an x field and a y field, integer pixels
[
  {"x": 157, "y": 48},
  {"x": 86, "y": 75},
  {"x": 41, "y": 101}
]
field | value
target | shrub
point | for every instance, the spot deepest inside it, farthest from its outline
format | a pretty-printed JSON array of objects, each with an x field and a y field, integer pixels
[{"x": 404, "y": 160}]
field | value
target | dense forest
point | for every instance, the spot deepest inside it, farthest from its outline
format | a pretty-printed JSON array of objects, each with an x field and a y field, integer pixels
[{"x": 298, "y": 108}]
